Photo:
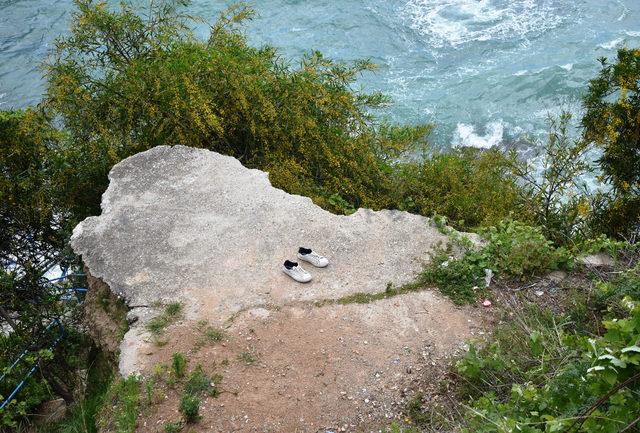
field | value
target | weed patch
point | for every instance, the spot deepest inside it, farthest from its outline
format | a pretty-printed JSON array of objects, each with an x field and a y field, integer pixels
[
  {"x": 178, "y": 365},
  {"x": 210, "y": 335},
  {"x": 190, "y": 407},
  {"x": 158, "y": 324},
  {"x": 545, "y": 372},
  {"x": 365, "y": 298},
  {"x": 199, "y": 383},
  {"x": 120, "y": 409},
  {"x": 153, "y": 395},
  {"x": 172, "y": 427},
  {"x": 414, "y": 411},
  {"x": 511, "y": 249},
  {"x": 248, "y": 358},
  {"x": 82, "y": 417}
]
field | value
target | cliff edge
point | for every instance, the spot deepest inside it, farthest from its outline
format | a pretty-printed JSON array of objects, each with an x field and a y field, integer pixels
[{"x": 192, "y": 226}]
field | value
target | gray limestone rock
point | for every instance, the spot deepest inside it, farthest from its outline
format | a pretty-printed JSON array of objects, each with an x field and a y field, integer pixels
[
  {"x": 597, "y": 260},
  {"x": 190, "y": 225}
]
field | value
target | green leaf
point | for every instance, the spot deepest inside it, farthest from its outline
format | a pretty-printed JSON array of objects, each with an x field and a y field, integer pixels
[
  {"x": 613, "y": 360},
  {"x": 633, "y": 348}
]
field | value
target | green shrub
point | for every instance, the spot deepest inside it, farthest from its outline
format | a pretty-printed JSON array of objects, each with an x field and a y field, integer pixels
[
  {"x": 58, "y": 364},
  {"x": 510, "y": 249},
  {"x": 305, "y": 126},
  {"x": 612, "y": 121},
  {"x": 615, "y": 214},
  {"x": 469, "y": 186},
  {"x": 34, "y": 226},
  {"x": 516, "y": 249},
  {"x": 178, "y": 364},
  {"x": 190, "y": 407},
  {"x": 552, "y": 182},
  {"x": 33, "y": 393},
  {"x": 545, "y": 372},
  {"x": 520, "y": 351},
  {"x": 340, "y": 205},
  {"x": 459, "y": 279},
  {"x": 588, "y": 387},
  {"x": 132, "y": 82},
  {"x": 31, "y": 203},
  {"x": 602, "y": 243},
  {"x": 35, "y": 390},
  {"x": 613, "y": 295}
]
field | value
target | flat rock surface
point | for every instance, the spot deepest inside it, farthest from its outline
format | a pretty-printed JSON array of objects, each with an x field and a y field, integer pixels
[{"x": 194, "y": 226}]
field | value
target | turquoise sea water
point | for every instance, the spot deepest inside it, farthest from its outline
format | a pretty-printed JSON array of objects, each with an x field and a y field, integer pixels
[{"x": 485, "y": 71}]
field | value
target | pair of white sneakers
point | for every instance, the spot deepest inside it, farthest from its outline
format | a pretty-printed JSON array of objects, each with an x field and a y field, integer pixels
[{"x": 297, "y": 272}]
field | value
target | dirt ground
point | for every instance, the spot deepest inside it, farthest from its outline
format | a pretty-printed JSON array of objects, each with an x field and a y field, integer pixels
[{"x": 316, "y": 369}]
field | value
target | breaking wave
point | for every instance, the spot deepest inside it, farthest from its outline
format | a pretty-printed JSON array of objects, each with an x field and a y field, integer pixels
[
  {"x": 466, "y": 136},
  {"x": 456, "y": 22}
]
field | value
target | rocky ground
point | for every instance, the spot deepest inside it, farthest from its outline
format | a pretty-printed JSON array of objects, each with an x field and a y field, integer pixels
[{"x": 195, "y": 227}]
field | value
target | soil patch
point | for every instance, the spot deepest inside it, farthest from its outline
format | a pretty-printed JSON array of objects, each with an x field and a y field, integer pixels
[{"x": 333, "y": 368}]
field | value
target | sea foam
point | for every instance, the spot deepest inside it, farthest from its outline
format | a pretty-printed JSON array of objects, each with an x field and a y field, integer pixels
[
  {"x": 611, "y": 44},
  {"x": 455, "y": 22},
  {"x": 466, "y": 136}
]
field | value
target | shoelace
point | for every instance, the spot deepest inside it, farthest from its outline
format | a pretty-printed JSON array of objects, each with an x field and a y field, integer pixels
[
  {"x": 297, "y": 269},
  {"x": 315, "y": 256}
]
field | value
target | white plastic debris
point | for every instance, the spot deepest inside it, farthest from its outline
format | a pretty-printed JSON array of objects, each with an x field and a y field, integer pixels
[{"x": 488, "y": 275}]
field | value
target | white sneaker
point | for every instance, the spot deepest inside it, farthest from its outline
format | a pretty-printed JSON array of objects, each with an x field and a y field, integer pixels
[
  {"x": 312, "y": 257},
  {"x": 296, "y": 272}
]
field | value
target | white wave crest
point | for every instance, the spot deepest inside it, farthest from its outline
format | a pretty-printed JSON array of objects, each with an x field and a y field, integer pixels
[
  {"x": 466, "y": 136},
  {"x": 611, "y": 44},
  {"x": 455, "y": 22}
]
